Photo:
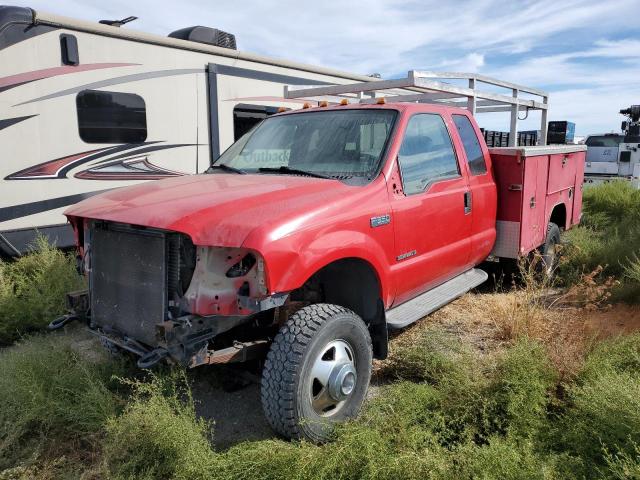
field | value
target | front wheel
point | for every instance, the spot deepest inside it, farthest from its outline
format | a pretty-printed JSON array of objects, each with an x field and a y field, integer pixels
[{"x": 317, "y": 372}]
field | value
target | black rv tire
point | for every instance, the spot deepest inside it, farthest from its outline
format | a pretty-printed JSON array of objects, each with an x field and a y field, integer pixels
[
  {"x": 288, "y": 377},
  {"x": 549, "y": 251}
]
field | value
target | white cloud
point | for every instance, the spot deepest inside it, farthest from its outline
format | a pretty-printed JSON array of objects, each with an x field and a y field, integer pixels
[{"x": 393, "y": 36}]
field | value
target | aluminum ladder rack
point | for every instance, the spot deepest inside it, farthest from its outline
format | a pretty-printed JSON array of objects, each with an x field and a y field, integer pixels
[{"x": 431, "y": 87}]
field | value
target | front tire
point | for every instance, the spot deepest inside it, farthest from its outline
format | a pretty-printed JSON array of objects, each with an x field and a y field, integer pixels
[{"x": 317, "y": 372}]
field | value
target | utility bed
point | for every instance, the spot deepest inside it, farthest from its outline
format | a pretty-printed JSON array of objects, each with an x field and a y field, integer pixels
[{"x": 531, "y": 181}]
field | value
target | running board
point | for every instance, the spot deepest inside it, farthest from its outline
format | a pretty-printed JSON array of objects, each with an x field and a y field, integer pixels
[{"x": 421, "y": 306}]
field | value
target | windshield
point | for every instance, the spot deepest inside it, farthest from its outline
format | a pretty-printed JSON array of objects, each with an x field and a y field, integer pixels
[
  {"x": 604, "y": 141},
  {"x": 340, "y": 144}
]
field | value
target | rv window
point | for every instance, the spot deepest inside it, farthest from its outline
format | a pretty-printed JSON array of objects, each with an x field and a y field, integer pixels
[
  {"x": 245, "y": 117},
  {"x": 111, "y": 117}
]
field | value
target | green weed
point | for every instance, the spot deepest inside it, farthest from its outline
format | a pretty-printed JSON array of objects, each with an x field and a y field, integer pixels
[{"x": 33, "y": 288}]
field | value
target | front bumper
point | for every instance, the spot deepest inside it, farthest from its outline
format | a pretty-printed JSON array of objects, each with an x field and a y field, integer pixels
[{"x": 183, "y": 340}]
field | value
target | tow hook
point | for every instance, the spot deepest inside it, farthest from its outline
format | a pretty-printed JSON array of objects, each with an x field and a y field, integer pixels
[
  {"x": 62, "y": 321},
  {"x": 149, "y": 359}
]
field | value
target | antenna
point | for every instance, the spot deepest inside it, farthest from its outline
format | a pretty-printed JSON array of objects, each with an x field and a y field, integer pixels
[{"x": 118, "y": 23}]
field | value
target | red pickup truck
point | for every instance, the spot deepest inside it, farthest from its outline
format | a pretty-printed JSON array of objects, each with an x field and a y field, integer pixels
[{"x": 308, "y": 239}]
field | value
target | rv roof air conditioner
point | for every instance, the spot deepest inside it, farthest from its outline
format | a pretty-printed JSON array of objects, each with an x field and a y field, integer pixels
[{"x": 210, "y": 36}]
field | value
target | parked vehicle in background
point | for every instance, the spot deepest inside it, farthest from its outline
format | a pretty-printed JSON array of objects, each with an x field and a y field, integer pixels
[
  {"x": 314, "y": 234},
  {"x": 87, "y": 107},
  {"x": 614, "y": 156},
  {"x": 602, "y": 154}
]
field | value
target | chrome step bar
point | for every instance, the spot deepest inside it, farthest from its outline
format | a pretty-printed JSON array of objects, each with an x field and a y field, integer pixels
[{"x": 421, "y": 306}]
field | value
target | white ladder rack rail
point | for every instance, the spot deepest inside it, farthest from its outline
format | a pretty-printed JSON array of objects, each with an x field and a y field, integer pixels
[{"x": 428, "y": 87}]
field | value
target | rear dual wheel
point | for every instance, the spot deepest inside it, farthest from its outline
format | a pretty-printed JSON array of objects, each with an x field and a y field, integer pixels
[
  {"x": 549, "y": 251},
  {"x": 317, "y": 372}
]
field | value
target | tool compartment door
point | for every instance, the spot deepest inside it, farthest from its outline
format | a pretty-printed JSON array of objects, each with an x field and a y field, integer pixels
[
  {"x": 562, "y": 171},
  {"x": 534, "y": 188}
]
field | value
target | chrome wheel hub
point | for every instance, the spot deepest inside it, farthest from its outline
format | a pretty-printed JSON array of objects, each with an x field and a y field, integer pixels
[{"x": 333, "y": 378}]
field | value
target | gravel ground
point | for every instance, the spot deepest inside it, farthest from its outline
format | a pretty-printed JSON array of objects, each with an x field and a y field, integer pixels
[{"x": 230, "y": 398}]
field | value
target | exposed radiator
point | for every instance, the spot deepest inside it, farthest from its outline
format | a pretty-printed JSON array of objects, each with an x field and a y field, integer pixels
[{"x": 128, "y": 280}]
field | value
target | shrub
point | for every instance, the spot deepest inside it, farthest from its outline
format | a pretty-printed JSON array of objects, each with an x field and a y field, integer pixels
[
  {"x": 623, "y": 465},
  {"x": 519, "y": 392},
  {"x": 603, "y": 413},
  {"x": 619, "y": 355},
  {"x": 52, "y": 399},
  {"x": 158, "y": 435},
  {"x": 506, "y": 458},
  {"x": 33, "y": 288},
  {"x": 428, "y": 356},
  {"x": 609, "y": 237},
  {"x": 396, "y": 437}
]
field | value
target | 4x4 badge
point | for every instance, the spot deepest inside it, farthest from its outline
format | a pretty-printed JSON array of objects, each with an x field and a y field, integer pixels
[{"x": 380, "y": 220}]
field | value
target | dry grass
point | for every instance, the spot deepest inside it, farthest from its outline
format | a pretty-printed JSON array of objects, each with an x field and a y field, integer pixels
[{"x": 568, "y": 323}]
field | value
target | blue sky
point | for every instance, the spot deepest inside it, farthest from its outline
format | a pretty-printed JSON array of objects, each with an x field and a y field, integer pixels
[{"x": 585, "y": 53}]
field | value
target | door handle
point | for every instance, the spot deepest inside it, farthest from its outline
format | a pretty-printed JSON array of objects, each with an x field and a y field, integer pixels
[{"x": 467, "y": 202}]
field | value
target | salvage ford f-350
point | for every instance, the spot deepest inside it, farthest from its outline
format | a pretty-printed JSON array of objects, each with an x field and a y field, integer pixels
[{"x": 308, "y": 239}]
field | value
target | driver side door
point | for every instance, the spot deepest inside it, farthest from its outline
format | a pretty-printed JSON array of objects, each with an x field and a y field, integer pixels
[{"x": 432, "y": 213}]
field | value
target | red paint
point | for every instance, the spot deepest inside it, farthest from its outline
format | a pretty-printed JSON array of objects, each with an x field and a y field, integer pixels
[
  {"x": 300, "y": 224},
  {"x": 21, "y": 78},
  {"x": 531, "y": 188}
]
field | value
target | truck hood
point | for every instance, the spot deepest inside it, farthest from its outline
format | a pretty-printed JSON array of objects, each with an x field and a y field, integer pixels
[{"x": 216, "y": 209}]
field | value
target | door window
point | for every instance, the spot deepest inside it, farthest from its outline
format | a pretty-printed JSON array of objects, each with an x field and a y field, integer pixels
[
  {"x": 426, "y": 154},
  {"x": 471, "y": 144}
]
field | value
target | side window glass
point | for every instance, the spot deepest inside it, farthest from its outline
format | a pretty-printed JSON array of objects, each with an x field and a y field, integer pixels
[
  {"x": 111, "y": 117},
  {"x": 426, "y": 154},
  {"x": 472, "y": 148}
]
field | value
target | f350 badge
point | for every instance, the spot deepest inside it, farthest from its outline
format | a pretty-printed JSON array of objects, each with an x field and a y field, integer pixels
[{"x": 380, "y": 220}]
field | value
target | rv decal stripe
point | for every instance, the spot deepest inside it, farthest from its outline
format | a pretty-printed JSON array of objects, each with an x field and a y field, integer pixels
[
  {"x": 119, "y": 148},
  {"x": 50, "y": 168},
  {"x": 12, "y": 121},
  {"x": 267, "y": 99},
  {"x": 59, "y": 167},
  {"x": 17, "y": 211},
  {"x": 149, "y": 149},
  {"x": 115, "y": 81},
  {"x": 26, "y": 77}
]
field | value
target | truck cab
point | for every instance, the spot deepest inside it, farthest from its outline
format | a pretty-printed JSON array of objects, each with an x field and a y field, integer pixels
[{"x": 308, "y": 239}]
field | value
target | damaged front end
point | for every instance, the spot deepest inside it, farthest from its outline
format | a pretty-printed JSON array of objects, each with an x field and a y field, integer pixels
[{"x": 154, "y": 293}]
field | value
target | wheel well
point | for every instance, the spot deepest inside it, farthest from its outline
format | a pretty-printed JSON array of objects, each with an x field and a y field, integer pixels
[
  {"x": 559, "y": 215},
  {"x": 352, "y": 283}
]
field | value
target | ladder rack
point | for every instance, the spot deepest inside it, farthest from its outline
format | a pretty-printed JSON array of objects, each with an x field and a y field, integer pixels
[{"x": 429, "y": 87}]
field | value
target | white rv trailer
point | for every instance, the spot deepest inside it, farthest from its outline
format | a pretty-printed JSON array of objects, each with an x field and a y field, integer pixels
[{"x": 86, "y": 107}]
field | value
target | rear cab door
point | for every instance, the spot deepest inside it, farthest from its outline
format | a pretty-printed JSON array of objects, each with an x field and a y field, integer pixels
[
  {"x": 431, "y": 215},
  {"x": 473, "y": 149}
]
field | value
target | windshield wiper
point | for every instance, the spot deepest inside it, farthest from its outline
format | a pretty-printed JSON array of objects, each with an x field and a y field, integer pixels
[
  {"x": 226, "y": 168},
  {"x": 286, "y": 169}
]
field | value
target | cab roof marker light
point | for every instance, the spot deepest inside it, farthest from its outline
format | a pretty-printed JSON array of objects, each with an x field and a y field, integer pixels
[
  {"x": 306, "y": 105},
  {"x": 282, "y": 109},
  {"x": 323, "y": 103},
  {"x": 381, "y": 101},
  {"x": 344, "y": 101}
]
